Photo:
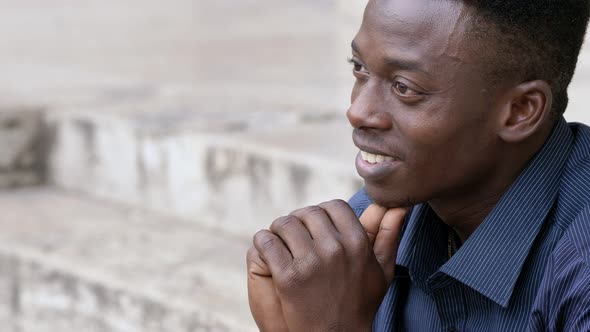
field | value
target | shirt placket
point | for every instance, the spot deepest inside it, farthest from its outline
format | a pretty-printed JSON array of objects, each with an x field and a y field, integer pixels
[{"x": 448, "y": 297}]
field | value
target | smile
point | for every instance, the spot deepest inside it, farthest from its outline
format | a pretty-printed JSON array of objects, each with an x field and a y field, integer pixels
[
  {"x": 375, "y": 167},
  {"x": 375, "y": 158}
]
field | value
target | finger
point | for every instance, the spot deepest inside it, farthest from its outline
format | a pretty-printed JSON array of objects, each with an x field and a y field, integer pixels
[
  {"x": 255, "y": 265},
  {"x": 371, "y": 220},
  {"x": 343, "y": 217},
  {"x": 387, "y": 240},
  {"x": 273, "y": 251},
  {"x": 263, "y": 299},
  {"x": 317, "y": 222},
  {"x": 294, "y": 234}
]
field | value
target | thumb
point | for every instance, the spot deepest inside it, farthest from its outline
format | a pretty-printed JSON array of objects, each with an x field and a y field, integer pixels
[
  {"x": 371, "y": 221},
  {"x": 387, "y": 240}
]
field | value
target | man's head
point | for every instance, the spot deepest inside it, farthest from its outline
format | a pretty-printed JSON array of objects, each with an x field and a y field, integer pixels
[
  {"x": 458, "y": 92},
  {"x": 532, "y": 39}
]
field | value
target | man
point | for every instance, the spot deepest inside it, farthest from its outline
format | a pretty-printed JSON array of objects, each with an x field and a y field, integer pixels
[{"x": 475, "y": 214}]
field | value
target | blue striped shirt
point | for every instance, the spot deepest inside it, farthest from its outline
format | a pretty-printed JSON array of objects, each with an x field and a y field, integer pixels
[{"x": 526, "y": 267}]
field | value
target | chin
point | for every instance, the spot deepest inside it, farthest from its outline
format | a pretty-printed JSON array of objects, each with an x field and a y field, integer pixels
[{"x": 389, "y": 198}]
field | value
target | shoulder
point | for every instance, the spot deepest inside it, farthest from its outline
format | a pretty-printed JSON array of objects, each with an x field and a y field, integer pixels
[
  {"x": 574, "y": 191},
  {"x": 581, "y": 146},
  {"x": 563, "y": 301},
  {"x": 571, "y": 256},
  {"x": 575, "y": 244}
]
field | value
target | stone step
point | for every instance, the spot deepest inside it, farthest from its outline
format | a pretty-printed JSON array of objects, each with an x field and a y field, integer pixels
[
  {"x": 21, "y": 151},
  {"x": 235, "y": 170},
  {"x": 68, "y": 263}
]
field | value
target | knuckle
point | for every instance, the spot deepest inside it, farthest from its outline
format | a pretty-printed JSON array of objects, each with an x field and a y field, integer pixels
[
  {"x": 269, "y": 243},
  {"x": 337, "y": 202},
  {"x": 384, "y": 258},
  {"x": 297, "y": 274},
  {"x": 310, "y": 211},
  {"x": 359, "y": 244},
  {"x": 283, "y": 223},
  {"x": 340, "y": 208},
  {"x": 264, "y": 240},
  {"x": 258, "y": 236},
  {"x": 333, "y": 249},
  {"x": 387, "y": 229},
  {"x": 313, "y": 210}
]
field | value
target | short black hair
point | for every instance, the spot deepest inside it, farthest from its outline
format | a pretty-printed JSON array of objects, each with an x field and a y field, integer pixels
[{"x": 533, "y": 39}]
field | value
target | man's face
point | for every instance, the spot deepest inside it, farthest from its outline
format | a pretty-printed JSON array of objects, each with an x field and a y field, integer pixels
[{"x": 420, "y": 101}]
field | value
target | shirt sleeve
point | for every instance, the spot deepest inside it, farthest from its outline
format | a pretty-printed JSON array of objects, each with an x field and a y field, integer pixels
[{"x": 563, "y": 302}]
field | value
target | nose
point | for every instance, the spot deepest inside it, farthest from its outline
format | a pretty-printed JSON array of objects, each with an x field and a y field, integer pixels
[{"x": 367, "y": 110}]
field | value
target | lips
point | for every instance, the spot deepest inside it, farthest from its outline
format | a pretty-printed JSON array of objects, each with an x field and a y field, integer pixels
[
  {"x": 381, "y": 168},
  {"x": 374, "y": 164},
  {"x": 374, "y": 155},
  {"x": 362, "y": 141},
  {"x": 375, "y": 158}
]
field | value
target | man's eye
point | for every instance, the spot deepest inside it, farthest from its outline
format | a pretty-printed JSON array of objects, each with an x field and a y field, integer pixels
[
  {"x": 358, "y": 68},
  {"x": 404, "y": 90}
]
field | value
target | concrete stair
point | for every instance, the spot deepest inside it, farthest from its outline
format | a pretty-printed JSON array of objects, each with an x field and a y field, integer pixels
[
  {"x": 74, "y": 264},
  {"x": 233, "y": 171},
  {"x": 148, "y": 209},
  {"x": 164, "y": 137}
]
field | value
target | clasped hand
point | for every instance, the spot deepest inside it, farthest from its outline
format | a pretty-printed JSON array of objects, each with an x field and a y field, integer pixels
[{"x": 322, "y": 269}]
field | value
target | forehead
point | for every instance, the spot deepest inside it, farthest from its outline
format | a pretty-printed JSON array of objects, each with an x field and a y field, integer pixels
[{"x": 426, "y": 30}]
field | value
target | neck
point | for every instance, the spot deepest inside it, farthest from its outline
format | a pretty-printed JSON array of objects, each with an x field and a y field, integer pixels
[
  {"x": 465, "y": 211},
  {"x": 464, "y": 218}
]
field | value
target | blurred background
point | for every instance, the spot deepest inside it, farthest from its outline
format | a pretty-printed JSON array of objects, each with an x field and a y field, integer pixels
[{"x": 144, "y": 142}]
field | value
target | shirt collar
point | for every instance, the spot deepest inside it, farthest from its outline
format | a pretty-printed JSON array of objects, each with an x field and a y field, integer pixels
[{"x": 491, "y": 260}]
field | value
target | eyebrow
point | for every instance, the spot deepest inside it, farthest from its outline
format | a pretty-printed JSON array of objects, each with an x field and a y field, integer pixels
[{"x": 397, "y": 63}]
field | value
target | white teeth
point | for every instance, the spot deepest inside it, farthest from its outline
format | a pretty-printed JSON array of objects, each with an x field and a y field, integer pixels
[{"x": 374, "y": 158}]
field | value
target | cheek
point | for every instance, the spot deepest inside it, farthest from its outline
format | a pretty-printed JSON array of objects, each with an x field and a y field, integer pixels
[
  {"x": 424, "y": 132},
  {"x": 448, "y": 150},
  {"x": 441, "y": 137}
]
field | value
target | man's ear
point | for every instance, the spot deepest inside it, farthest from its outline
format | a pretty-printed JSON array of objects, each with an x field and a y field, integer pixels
[{"x": 526, "y": 109}]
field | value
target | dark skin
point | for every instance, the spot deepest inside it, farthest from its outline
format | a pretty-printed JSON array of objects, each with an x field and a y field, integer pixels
[{"x": 457, "y": 140}]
